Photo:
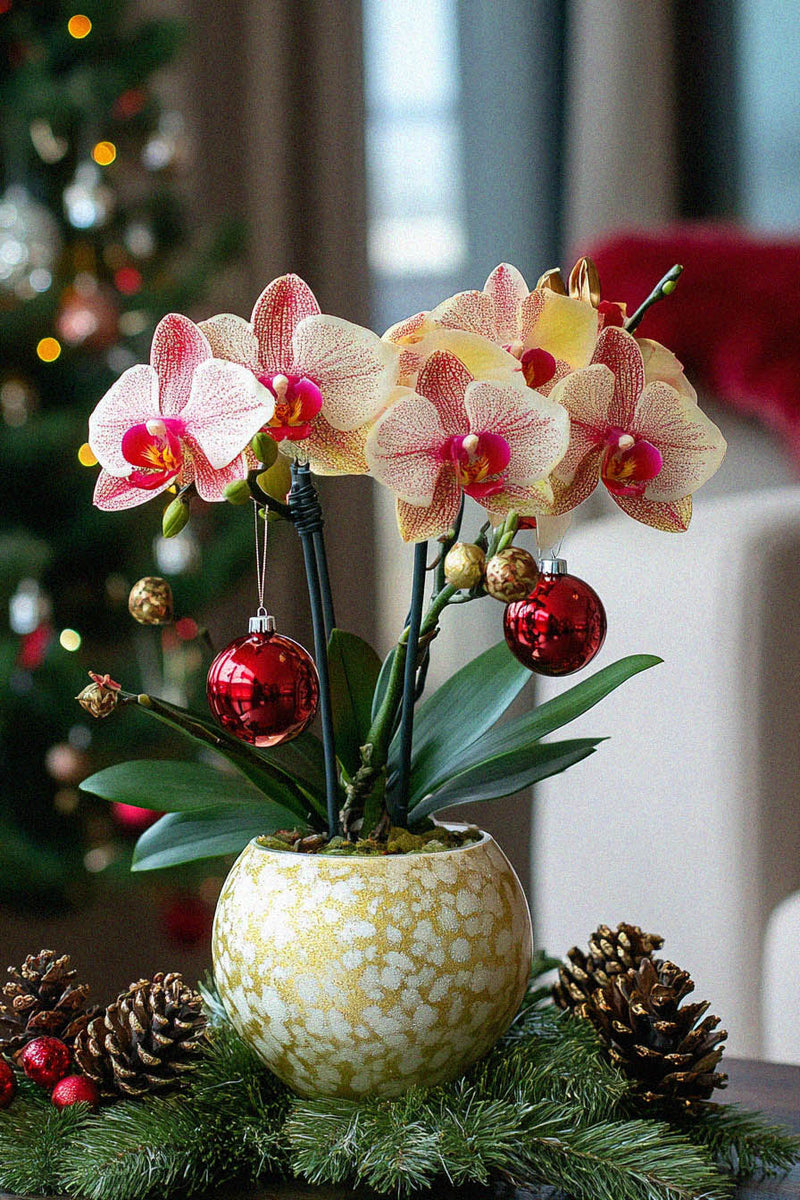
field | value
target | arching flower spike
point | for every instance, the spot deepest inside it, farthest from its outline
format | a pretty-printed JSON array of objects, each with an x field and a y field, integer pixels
[
  {"x": 328, "y": 377},
  {"x": 649, "y": 444},
  {"x": 184, "y": 418}
]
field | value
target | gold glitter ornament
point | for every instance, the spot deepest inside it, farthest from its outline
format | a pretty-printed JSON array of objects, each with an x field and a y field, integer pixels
[
  {"x": 150, "y": 601},
  {"x": 511, "y": 574},
  {"x": 464, "y": 564}
]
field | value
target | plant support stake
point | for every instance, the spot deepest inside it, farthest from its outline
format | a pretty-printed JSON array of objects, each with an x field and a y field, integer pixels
[{"x": 409, "y": 680}]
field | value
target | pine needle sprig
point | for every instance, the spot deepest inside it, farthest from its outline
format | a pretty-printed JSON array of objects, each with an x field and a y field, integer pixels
[
  {"x": 33, "y": 1138},
  {"x": 744, "y": 1143}
]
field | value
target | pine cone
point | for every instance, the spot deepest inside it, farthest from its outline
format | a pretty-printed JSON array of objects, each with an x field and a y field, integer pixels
[
  {"x": 671, "y": 1051},
  {"x": 612, "y": 952},
  {"x": 41, "y": 999},
  {"x": 145, "y": 1041}
]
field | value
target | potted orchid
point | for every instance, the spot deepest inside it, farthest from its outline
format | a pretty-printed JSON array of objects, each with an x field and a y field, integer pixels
[{"x": 360, "y": 944}]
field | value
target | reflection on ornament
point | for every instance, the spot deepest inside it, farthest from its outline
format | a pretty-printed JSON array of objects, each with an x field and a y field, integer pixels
[
  {"x": 167, "y": 144},
  {"x": 28, "y": 608},
  {"x": 263, "y": 688},
  {"x": 177, "y": 554},
  {"x": 18, "y": 401},
  {"x": 87, "y": 201},
  {"x": 51, "y": 149},
  {"x": 29, "y": 243},
  {"x": 87, "y": 314},
  {"x": 561, "y": 625},
  {"x": 140, "y": 239}
]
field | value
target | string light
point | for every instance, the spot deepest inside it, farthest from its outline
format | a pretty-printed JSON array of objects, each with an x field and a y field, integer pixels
[
  {"x": 104, "y": 153},
  {"x": 70, "y": 640},
  {"x": 79, "y": 26},
  {"x": 128, "y": 280},
  {"x": 48, "y": 349},
  {"x": 86, "y": 456}
]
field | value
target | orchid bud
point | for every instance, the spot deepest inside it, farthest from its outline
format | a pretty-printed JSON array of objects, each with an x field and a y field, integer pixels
[
  {"x": 265, "y": 448},
  {"x": 175, "y": 518},
  {"x": 238, "y": 492}
]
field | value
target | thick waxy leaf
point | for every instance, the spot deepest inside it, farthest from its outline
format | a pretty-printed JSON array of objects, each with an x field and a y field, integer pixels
[
  {"x": 354, "y": 669},
  {"x": 383, "y": 681},
  {"x": 458, "y": 714},
  {"x": 526, "y": 730},
  {"x": 220, "y": 829},
  {"x": 505, "y": 774},
  {"x": 170, "y": 786}
]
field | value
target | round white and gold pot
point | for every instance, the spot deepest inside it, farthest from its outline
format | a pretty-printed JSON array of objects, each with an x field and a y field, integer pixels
[{"x": 354, "y": 976}]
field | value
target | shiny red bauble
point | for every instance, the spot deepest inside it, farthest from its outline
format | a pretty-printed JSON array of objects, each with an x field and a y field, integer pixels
[
  {"x": 45, "y": 1060},
  {"x": 263, "y": 688},
  {"x": 560, "y": 626},
  {"x": 8, "y": 1084},
  {"x": 75, "y": 1089}
]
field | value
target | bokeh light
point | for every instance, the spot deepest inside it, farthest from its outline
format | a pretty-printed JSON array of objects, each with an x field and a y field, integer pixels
[
  {"x": 86, "y": 456},
  {"x": 104, "y": 153},
  {"x": 70, "y": 640},
  {"x": 79, "y": 26},
  {"x": 48, "y": 349}
]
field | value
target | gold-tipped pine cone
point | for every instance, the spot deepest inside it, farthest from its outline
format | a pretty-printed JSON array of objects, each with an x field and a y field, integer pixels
[
  {"x": 612, "y": 952},
  {"x": 146, "y": 1041},
  {"x": 41, "y": 999}
]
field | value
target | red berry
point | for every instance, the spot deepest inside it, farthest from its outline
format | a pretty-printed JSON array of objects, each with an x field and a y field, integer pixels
[
  {"x": 45, "y": 1061},
  {"x": 8, "y": 1084},
  {"x": 75, "y": 1089}
]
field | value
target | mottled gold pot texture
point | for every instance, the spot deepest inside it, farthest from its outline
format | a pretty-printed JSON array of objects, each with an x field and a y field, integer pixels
[{"x": 356, "y": 976}]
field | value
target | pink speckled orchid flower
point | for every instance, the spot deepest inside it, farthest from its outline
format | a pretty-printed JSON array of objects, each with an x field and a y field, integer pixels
[
  {"x": 329, "y": 378},
  {"x": 492, "y": 439},
  {"x": 184, "y": 418},
  {"x": 648, "y": 443}
]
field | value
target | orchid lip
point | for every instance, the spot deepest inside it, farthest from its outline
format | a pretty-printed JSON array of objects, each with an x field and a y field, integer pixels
[
  {"x": 630, "y": 463},
  {"x": 155, "y": 448},
  {"x": 298, "y": 400},
  {"x": 480, "y": 461}
]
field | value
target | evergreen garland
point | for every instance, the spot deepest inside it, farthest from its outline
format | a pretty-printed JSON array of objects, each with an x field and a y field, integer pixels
[{"x": 544, "y": 1107}]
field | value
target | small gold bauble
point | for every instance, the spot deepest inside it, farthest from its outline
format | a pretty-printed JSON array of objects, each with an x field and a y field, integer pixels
[
  {"x": 463, "y": 565},
  {"x": 150, "y": 601},
  {"x": 511, "y": 574}
]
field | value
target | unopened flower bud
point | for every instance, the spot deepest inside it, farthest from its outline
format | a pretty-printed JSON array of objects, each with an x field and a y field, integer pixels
[
  {"x": 101, "y": 696},
  {"x": 463, "y": 565},
  {"x": 238, "y": 492},
  {"x": 265, "y": 448},
  {"x": 175, "y": 518},
  {"x": 511, "y": 574},
  {"x": 150, "y": 601},
  {"x": 277, "y": 480}
]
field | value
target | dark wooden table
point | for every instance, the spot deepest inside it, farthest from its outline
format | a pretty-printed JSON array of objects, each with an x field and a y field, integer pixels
[{"x": 772, "y": 1089}]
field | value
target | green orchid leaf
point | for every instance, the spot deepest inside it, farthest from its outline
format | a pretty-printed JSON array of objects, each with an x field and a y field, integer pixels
[
  {"x": 263, "y": 773},
  {"x": 526, "y": 730},
  {"x": 382, "y": 682},
  {"x": 456, "y": 715},
  {"x": 171, "y": 786},
  {"x": 219, "y": 829},
  {"x": 302, "y": 759},
  {"x": 505, "y": 774},
  {"x": 354, "y": 669}
]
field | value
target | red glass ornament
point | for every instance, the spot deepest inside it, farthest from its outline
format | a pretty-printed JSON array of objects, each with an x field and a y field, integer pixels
[
  {"x": 8, "y": 1084},
  {"x": 132, "y": 819},
  {"x": 264, "y": 687},
  {"x": 75, "y": 1089},
  {"x": 45, "y": 1060},
  {"x": 560, "y": 626},
  {"x": 187, "y": 919}
]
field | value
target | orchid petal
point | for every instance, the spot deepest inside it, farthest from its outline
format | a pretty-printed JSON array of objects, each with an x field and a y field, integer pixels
[
  {"x": 508, "y": 290},
  {"x": 690, "y": 445},
  {"x": 483, "y": 359},
  {"x": 403, "y": 449},
  {"x": 113, "y": 493},
  {"x": 227, "y": 407},
  {"x": 661, "y": 363},
  {"x": 473, "y": 312},
  {"x": 671, "y": 517},
  {"x": 278, "y": 311},
  {"x": 331, "y": 451},
  {"x": 550, "y": 530},
  {"x": 131, "y": 400},
  {"x": 232, "y": 338},
  {"x": 618, "y": 351},
  {"x": 536, "y": 429},
  {"x": 417, "y": 523},
  {"x": 572, "y": 489},
  {"x": 528, "y": 501},
  {"x": 178, "y": 349},
  {"x": 565, "y": 327},
  {"x": 353, "y": 368},
  {"x": 587, "y": 396},
  {"x": 210, "y": 481},
  {"x": 443, "y": 381},
  {"x": 407, "y": 334}
]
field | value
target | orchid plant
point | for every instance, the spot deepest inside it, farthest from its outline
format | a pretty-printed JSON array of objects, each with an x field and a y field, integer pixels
[{"x": 518, "y": 400}]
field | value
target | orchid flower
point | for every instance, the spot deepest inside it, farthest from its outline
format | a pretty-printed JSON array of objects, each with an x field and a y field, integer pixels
[
  {"x": 328, "y": 378},
  {"x": 650, "y": 444},
  {"x": 185, "y": 418},
  {"x": 493, "y": 439}
]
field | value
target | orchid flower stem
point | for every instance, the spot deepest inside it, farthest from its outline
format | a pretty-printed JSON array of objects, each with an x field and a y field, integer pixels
[
  {"x": 306, "y": 514},
  {"x": 664, "y": 287},
  {"x": 324, "y": 583},
  {"x": 263, "y": 499},
  {"x": 409, "y": 681}
]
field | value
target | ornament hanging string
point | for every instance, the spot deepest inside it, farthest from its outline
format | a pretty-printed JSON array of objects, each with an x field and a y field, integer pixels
[{"x": 261, "y": 560}]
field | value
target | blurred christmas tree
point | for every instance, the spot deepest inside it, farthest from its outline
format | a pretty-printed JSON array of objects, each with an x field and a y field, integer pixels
[{"x": 94, "y": 249}]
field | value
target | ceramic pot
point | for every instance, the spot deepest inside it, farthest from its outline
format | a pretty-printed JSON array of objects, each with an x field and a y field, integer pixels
[{"x": 356, "y": 976}]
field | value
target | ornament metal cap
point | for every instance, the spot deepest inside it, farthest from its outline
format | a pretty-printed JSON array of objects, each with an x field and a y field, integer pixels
[
  {"x": 262, "y": 622},
  {"x": 553, "y": 566}
]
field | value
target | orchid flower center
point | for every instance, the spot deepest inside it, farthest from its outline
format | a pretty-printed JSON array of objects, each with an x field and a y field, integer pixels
[
  {"x": 155, "y": 448},
  {"x": 297, "y": 402},
  {"x": 629, "y": 463},
  {"x": 480, "y": 460},
  {"x": 610, "y": 313},
  {"x": 538, "y": 366}
]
